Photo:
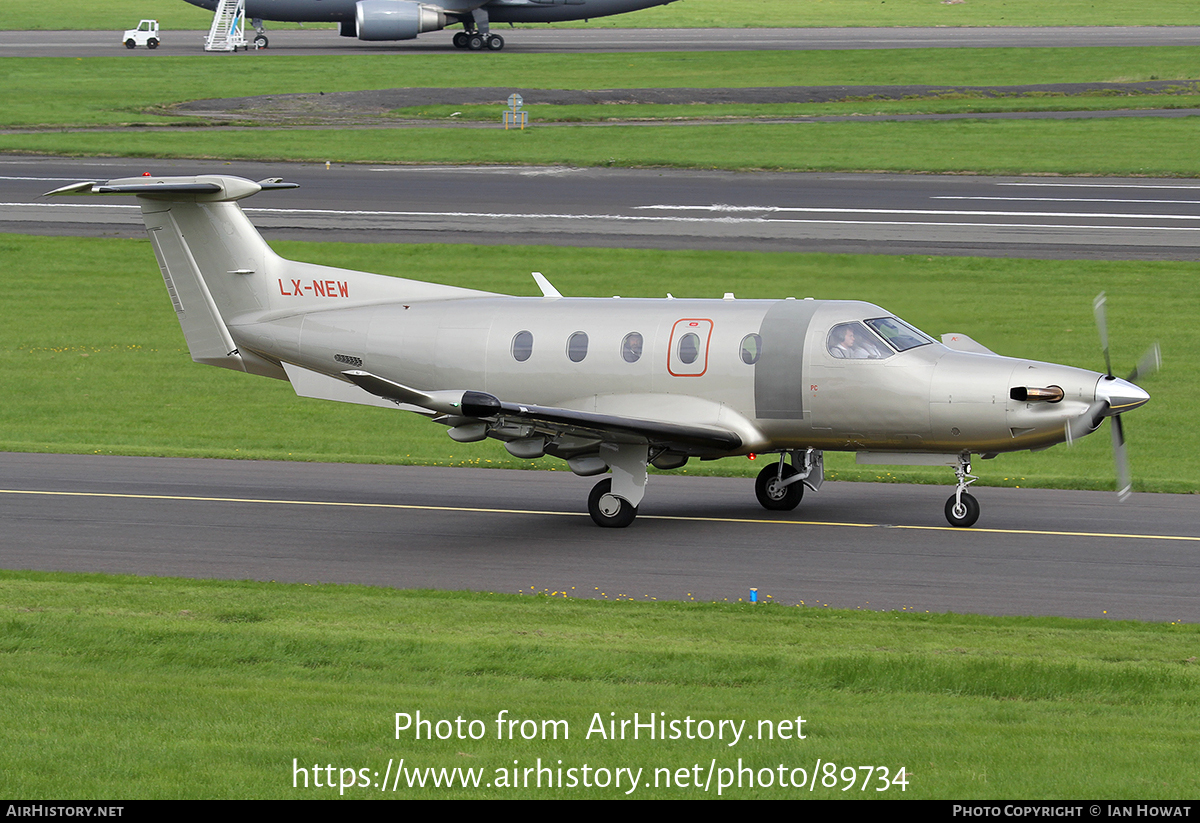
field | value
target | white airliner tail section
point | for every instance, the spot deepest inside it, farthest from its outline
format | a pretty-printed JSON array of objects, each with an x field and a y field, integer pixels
[{"x": 217, "y": 267}]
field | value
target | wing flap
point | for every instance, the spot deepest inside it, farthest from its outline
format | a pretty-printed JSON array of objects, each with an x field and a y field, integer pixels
[{"x": 657, "y": 432}]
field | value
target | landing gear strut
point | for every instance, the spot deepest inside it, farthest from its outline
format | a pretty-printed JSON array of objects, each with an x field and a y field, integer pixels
[
  {"x": 260, "y": 39},
  {"x": 962, "y": 509},
  {"x": 614, "y": 501}
]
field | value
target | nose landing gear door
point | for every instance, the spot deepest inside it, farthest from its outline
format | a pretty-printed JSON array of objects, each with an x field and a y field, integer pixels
[{"x": 688, "y": 355}]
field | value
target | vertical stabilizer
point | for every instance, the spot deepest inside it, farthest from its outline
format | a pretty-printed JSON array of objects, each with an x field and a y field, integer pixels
[
  {"x": 219, "y": 271},
  {"x": 204, "y": 244}
]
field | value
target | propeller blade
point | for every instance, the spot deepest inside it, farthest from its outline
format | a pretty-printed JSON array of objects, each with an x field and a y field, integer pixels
[
  {"x": 1150, "y": 363},
  {"x": 1102, "y": 325},
  {"x": 1124, "y": 484}
]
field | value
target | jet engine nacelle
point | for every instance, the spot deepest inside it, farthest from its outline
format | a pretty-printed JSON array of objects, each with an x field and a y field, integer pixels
[{"x": 396, "y": 19}]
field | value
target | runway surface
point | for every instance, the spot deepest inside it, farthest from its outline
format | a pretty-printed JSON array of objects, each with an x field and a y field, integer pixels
[
  {"x": 1036, "y": 217},
  {"x": 869, "y": 546},
  {"x": 552, "y": 39}
]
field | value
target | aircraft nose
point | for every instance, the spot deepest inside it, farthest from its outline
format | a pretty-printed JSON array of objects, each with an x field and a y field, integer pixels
[{"x": 1120, "y": 395}]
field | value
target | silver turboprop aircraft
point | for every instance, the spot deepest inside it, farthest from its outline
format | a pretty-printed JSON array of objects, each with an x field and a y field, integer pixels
[
  {"x": 405, "y": 19},
  {"x": 613, "y": 385}
]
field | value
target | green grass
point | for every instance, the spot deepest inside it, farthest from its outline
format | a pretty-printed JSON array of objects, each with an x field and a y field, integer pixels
[
  {"x": 1152, "y": 146},
  {"x": 92, "y": 359},
  {"x": 64, "y": 92},
  {"x": 953, "y": 103},
  {"x": 175, "y": 14},
  {"x": 120, "y": 687},
  {"x": 115, "y": 90}
]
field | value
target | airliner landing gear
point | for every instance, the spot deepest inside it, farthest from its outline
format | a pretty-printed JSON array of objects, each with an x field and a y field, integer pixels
[
  {"x": 478, "y": 42},
  {"x": 962, "y": 509},
  {"x": 260, "y": 39},
  {"x": 475, "y": 35}
]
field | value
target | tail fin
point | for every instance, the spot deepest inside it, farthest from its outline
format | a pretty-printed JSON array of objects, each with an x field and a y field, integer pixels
[{"x": 217, "y": 268}]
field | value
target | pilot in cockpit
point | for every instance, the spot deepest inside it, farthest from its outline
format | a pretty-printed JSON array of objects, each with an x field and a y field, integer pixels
[{"x": 848, "y": 344}]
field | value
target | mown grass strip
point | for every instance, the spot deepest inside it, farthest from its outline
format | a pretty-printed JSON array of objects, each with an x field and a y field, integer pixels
[
  {"x": 1160, "y": 147},
  {"x": 145, "y": 687},
  {"x": 914, "y": 104},
  {"x": 112, "y": 90},
  {"x": 92, "y": 358}
]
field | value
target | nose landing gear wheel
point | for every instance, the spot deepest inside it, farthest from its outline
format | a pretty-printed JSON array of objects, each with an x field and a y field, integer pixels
[
  {"x": 607, "y": 509},
  {"x": 775, "y": 496},
  {"x": 962, "y": 514},
  {"x": 260, "y": 42}
]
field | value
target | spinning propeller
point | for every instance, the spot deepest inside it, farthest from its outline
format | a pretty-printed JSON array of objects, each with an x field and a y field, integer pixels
[{"x": 1114, "y": 397}]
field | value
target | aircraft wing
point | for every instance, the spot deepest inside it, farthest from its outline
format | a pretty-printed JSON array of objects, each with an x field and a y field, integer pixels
[{"x": 690, "y": 438}]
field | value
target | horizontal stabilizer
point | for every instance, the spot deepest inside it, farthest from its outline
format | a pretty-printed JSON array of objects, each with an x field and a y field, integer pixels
[{"x": 202, "y": 188}]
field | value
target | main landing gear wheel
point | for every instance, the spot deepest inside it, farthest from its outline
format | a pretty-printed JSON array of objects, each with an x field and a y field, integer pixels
[
  {"x": 474, "y": 42},
  {"x": 495, "y": 42},
  {"x": 964, "y": 513},
  {"x": 460, "y": 40},
  {"x": 607, "y": 509},
  {"x": 774, "y": 495}
]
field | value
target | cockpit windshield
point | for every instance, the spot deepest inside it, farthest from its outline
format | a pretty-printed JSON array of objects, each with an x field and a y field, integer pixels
[{"x": 899, "y": 334}]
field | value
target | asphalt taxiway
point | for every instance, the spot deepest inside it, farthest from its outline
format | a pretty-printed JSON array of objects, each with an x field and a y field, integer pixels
[
  {"x": 852, "y": 545},
  {"x": 568, "y": 41}
]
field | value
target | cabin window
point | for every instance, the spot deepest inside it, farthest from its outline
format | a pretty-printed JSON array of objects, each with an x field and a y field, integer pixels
[
  {"x": 751, "y": 349},
  {"x": 689, "y": 348},
  {"x": 631, "y": 347},
  {"x": 522, "y": 346},
  {"x": 577, "y": 346},
  {"x": 852, "y": 341}
]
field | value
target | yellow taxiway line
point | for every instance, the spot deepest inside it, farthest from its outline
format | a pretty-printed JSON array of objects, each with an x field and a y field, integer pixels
[{"x": 701, "y": 519}]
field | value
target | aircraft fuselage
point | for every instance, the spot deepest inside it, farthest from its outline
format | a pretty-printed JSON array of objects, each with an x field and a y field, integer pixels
[
  {"x": 764, "y": 368},
  {"x": 499, "y": 11}
]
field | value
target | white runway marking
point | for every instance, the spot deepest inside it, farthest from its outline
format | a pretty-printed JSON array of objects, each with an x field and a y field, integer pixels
[{"x": 724, "y": 219}]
